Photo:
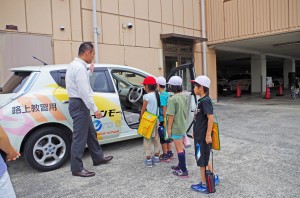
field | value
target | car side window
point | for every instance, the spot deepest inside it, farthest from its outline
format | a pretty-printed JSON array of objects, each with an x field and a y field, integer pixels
[
  {"x": 59, "y": 76},
  {"x": 99, "y": 82}
]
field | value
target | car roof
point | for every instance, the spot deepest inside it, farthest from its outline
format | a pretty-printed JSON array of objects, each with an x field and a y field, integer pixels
[{"x": 64, "y": 66}]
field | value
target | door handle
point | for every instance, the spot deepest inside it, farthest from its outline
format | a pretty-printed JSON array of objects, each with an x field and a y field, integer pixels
[{"x": 65, "y": 102}]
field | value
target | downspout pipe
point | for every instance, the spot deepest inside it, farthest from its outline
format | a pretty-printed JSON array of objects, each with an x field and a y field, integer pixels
[
  {"x": 96, "y": 33},
  {"x": 203, "y": 36}
]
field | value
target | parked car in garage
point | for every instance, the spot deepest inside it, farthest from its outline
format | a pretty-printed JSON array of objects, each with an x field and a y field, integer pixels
[
  {"x": 243, "y": 80},
  {"x": 223, "y": 86},
  {"x": 34, "y": 108}
]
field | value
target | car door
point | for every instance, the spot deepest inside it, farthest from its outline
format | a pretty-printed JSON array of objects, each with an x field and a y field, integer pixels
[
  {"x": 107, "y": 101},
  {"x": 187, "y": 73}
]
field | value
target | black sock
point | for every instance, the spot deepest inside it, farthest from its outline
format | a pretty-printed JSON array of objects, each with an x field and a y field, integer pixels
[{"x": 182, "y": 164}]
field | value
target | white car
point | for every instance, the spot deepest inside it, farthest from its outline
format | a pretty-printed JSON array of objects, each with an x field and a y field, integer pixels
[
  {"x": 34, "y": 108},
  {"x": 243, "y": 80}
]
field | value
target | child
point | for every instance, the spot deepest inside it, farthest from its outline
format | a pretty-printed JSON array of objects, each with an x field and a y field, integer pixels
[
  {"x": 177, "y": 123},
  {"x": 165, "y": 144},
  {"x": 202, "y": 130},
  {"x": 151, "y": 104}
]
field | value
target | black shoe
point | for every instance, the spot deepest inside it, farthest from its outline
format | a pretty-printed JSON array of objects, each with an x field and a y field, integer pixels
[
  {"x": 83, "y": 173},
  {"x": 102, "y": 161}
]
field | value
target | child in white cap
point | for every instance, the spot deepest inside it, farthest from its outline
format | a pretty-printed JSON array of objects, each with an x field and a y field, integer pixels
[
  {"x": 177, "y": 113},
  {"x": 202, "y": 128},
  {"x": 165, "y": 144}
]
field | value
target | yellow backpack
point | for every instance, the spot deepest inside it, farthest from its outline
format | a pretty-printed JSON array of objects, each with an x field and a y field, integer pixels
[{"x": 147, "y": 124}]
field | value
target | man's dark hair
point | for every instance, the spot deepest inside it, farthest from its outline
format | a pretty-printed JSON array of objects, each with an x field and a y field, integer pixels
[
  {"x": 162, "y": 86},
  {"x": 175, "y": 88},
  {"x": 85, "y": 46},
  {"x": 206, "y": 90}
]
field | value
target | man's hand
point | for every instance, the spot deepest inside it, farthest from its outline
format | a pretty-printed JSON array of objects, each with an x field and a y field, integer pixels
[
  {"x": 92, "y": 67},
  {"x": 98, "y": 114},
  {"x": 208, "y": 139},
  {"x": 13, "y": 155}
]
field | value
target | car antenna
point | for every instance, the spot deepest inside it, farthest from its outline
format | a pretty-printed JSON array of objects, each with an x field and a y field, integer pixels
[{"x": 39, "y": 60}]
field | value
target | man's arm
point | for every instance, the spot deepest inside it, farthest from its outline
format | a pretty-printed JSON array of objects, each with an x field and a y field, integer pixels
[
  {"x": 5, "y": 145},
  {"x": 84, "y": 90}
]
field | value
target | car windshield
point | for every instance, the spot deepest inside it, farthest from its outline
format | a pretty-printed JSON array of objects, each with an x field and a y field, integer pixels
[{"x": 15, "y": 82}]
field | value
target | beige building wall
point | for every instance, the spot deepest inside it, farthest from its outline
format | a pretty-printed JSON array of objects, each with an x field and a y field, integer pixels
[
  {"x": 229, "y": 20},
  {"x": 70, "y": 22}
]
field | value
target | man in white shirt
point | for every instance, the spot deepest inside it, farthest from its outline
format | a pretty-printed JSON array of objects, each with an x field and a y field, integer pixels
[{"x": 80, "y": 104}]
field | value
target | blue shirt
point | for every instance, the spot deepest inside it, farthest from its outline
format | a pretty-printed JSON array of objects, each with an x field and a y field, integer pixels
[
  {"x": 163, "y": 96},
  {"x": 3, "y": 167}
]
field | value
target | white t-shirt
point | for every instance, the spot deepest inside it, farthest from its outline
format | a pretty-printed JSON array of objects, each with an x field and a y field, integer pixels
[{"x": 152, "y": 103}]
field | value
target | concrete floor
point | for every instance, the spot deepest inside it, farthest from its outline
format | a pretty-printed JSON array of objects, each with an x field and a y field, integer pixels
[{"x": 260, "y": 157}]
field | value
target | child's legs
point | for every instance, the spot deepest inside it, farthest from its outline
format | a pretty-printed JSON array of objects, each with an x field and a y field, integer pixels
[
  {"x": 164, "y": 148},
  {"x": 169, "y": 146},
  {"x": 181, "y": 154},
  {"x": 202, "y": 175},
  {"x": 178, "y": 145},
  {"x": 202, "y": 158},
  {"x": 156, "y": 142},
  {"x": 147, "y": 147}
]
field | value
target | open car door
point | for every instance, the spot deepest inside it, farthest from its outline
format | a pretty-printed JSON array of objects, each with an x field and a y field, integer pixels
[{"x": 187, "y": 73}]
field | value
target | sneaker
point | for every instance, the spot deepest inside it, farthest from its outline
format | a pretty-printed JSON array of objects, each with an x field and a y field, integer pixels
[
  {"x": 164, "y": 158},
  {"x": 175, "y": 167},
  {"x": 148, "y": 162},
  {"x": 217, "y": 179},
  {"x": 180, "y": 173},
  {"x": 155, "y": 160},
  {"x": 171, "y": 156},
  {"x": 199, "y": 187}
]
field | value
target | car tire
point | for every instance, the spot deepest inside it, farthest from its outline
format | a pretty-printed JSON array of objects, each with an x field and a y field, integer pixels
[{"x": 47, "y": 149}]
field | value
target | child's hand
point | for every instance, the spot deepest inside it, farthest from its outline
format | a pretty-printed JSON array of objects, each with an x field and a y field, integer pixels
[
  {"x": 208, "y": 139},
  {"x": 169, "y": 133}
]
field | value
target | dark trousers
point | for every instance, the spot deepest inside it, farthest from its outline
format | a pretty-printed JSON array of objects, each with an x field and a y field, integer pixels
[{"x": 83, "y": 133}]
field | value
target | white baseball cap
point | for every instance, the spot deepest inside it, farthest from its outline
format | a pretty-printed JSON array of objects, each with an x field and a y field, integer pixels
[
  {"x": 175, "y": 80},
  {"x": 202, "y": 80},
  {"x": 161, "y": 81}
]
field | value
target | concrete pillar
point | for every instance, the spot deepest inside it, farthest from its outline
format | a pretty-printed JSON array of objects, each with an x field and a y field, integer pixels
[
  {"x": 258, "y": 73},
  {"x": 289, "y": 65}
]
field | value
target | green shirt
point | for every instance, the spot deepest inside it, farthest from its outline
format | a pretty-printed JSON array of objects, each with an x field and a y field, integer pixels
[{"x": 177, "y": 106}]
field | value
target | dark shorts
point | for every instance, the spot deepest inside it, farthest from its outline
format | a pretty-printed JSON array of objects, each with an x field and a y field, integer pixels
[
  {"x": 161, "y": 135},
  {"x": 202, "y": 152}
]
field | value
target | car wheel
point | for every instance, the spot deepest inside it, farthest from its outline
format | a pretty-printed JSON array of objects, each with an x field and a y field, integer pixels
[{"x": 47, "y": 149}]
